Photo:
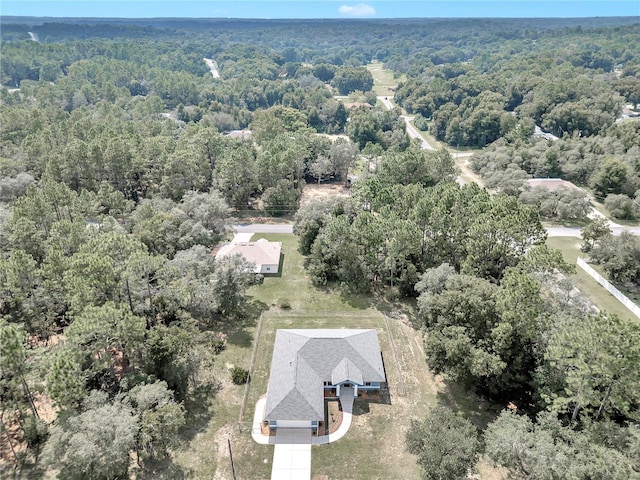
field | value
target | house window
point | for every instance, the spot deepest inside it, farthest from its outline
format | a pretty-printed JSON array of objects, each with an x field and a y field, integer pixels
[
  {"x": 268, "y": 269},
  {"x": 367, "y": 384},
  {"x": 326, "y": 384}
]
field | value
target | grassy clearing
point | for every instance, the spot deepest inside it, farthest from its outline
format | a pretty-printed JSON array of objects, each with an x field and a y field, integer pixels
[
  {"x": 413, "y": 388},
  {"x": 412, "y": 392},
  {"x": 378, "y": 426},
  {"x": 598, "y": 205},
  {"x": 384, "y": 82},
  {"x": 295, "y": 286},
  {"x": 570, "y": 247}
]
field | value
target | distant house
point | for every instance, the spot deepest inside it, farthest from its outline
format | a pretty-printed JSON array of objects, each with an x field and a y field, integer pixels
[
  {"x": 264, "y": 254},
  {"x": 311, "y": 364},
  {"x": 242, "y": 134},
  {"x": 552, "y": 184},
  {"x": 352, "y": 105},
  {"x": 538, "y": 132}
]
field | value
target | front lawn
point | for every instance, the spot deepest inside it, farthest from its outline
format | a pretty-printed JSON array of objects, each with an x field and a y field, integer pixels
[{"x": 374, "y": 446}]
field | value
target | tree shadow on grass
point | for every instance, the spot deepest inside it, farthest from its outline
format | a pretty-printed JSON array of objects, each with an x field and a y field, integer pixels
[
  {"x": 479, "y": 411},
  {"x": 403, "y": 310},
  {"x": 362, "y": 404},
  {"x": 357, "y": 300},
  {"x": 161, "y": 470},
  {"x": 253, "y": 310},
  {"x": 361, "y": 301},
  {"x": 198, "y": 409},
  {"x": 240, "y": 338}
]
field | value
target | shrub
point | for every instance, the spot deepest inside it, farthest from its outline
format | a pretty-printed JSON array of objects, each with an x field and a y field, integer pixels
[
  {"x": 35, "y": 431},
  {"x": 620, "y": 206},
  {"x": 218, "y": 346},
  {"x": 284, "y": 303},
  {"x": 239, "y": 375},
  {"x": 421, "y": 123}
]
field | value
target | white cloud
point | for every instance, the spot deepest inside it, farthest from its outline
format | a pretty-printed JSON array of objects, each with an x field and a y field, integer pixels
[{"x": 359, "y": 10}]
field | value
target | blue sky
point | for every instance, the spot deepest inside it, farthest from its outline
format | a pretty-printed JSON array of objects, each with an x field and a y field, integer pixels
[{"x": 321, "y": 9}]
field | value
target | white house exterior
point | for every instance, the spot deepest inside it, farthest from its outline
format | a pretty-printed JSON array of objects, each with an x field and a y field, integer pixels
[
  {"x": 263, "y": 254},
  {"x": 308, "y": 362}
]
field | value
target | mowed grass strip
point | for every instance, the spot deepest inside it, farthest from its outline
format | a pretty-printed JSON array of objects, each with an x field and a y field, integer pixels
[{"x": 570, "y": 247}]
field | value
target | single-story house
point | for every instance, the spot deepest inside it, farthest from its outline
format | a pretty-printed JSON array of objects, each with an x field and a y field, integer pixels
[
  {"x": 311, "y": 364},
  {"x": 352, "y": 105},
  {"x": 264, "y": 254},
  {"x": 552, "y": 184},
  {"x": 242, "y": 134}
]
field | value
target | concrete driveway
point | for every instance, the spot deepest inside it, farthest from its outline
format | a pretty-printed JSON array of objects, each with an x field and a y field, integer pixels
[
  {"x": 292, "y": 454},
  {"x": 241, "y": 237}
]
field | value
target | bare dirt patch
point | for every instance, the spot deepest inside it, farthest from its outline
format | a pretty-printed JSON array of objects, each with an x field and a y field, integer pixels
[
  {"x": 47, "y": 411},
  {"x": 314, "y": 191},
  {"x": 466, "y": 172}
]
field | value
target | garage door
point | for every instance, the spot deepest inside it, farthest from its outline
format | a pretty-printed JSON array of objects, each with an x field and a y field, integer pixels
[{"x": 294, "y": 424}]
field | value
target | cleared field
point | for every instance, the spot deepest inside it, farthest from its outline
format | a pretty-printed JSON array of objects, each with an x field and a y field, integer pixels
[{"x": 384, "y": 82}]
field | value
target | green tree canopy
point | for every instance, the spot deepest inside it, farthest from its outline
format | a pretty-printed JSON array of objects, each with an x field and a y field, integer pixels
[{"x": 446, "y": 445}]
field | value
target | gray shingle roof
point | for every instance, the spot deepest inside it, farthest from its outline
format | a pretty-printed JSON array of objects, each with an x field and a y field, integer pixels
[
  {"x": 303, "y": 359},
  {"x": 346, "y": 371}
]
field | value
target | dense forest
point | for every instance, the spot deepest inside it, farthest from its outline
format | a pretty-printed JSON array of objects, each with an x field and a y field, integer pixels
[{"x": 129, "y": 147}]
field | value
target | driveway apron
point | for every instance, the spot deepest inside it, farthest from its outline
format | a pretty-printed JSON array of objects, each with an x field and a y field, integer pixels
[{"x": 292, "y": 454}]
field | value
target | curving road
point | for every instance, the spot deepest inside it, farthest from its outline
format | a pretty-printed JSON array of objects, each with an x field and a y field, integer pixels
[
  {"x": 575, "y": 231},
  {"x": 411, "y": 130},
  {"x": 551, "y": 231}
]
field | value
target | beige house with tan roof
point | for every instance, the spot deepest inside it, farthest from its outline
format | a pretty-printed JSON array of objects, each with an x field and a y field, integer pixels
[{"x": 263, "y": 254}]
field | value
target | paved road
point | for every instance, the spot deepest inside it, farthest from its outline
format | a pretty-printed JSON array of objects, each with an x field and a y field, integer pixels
[
  {"x": 575, "y": 231},
  {"x": 387, "y": 103},
  {"x": 264, "y": 228},
  {"x": 563, "y": 232},
  {"x": 411, "y": 130},
  {"x": 551, "y": 231},
  {"x": 414, "y": 133}
]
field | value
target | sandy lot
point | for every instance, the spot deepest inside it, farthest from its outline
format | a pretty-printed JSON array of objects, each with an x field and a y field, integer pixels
[{"x": 324, "y": 190}]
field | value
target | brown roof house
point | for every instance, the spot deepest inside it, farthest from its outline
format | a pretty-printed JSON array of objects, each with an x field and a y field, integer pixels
[
  {"x": 309, "y": 364},
  {"x": 264, "y": 254}
]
